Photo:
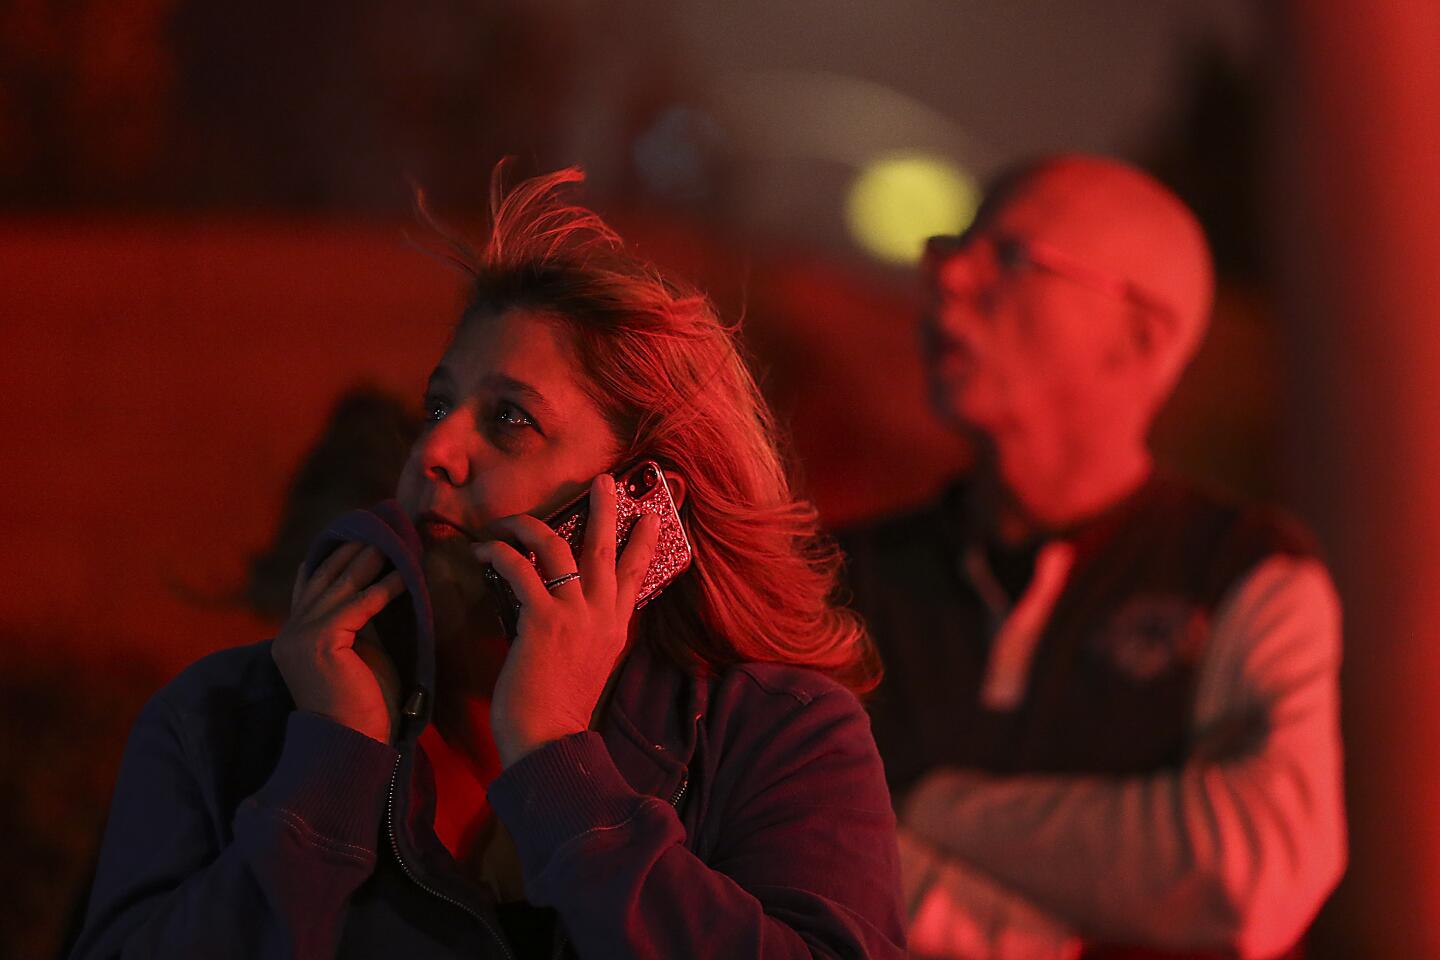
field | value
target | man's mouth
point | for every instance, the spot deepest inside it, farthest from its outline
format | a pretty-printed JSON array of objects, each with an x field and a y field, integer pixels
[{"x": 952, "y": 354}]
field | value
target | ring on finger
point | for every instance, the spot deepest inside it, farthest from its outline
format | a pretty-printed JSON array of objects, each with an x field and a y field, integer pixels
[{"x": 552, "y": 584}]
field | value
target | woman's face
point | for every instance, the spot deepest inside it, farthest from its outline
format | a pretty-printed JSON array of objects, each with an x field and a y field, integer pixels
[{"x": 508, "y": 430}]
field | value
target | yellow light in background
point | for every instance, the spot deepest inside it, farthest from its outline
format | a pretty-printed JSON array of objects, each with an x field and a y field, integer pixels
[{"x": 899, "y": 200}]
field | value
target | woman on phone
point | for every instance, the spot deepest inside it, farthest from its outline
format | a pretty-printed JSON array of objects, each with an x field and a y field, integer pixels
[{"x": 395, "y": 776}]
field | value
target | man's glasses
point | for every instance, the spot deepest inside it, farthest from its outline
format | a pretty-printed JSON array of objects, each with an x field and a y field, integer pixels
[{"x": 1011, "y": 256}]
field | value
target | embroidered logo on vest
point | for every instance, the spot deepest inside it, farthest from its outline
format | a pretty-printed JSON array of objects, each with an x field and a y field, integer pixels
[{"x": 1151, "y": 636}]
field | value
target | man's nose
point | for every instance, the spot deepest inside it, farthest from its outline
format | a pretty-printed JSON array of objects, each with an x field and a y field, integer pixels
[{"x": 968, "y": 290}]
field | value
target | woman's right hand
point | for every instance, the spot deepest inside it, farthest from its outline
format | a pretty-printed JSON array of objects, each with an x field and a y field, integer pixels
[{"x": 328, "y": 670}]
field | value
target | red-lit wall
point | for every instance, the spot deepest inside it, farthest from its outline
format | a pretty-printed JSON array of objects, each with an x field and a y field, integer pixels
[
  {"x": 161, "y": 384},
  {"x": 1356, "y": 189}
]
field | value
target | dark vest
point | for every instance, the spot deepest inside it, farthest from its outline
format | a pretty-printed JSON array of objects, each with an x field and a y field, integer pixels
[{"x": 1112, "y": 683}]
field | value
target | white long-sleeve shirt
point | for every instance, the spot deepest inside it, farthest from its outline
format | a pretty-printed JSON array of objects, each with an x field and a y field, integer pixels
[{"x": 1235, "y": 850}]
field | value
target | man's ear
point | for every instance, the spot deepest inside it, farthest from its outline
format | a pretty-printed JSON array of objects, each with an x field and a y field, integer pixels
[
  {"x": 1150, "y": 331},
  {"x": 1139, "y": 342},
  {"x": 675, "y": 480}
]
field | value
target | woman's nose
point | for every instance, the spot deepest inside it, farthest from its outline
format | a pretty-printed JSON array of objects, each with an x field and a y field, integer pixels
[{"x": 445, "y": 448}]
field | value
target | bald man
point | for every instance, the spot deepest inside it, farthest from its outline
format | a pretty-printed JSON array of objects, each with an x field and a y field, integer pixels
[{"x": 1110, "y": 712}]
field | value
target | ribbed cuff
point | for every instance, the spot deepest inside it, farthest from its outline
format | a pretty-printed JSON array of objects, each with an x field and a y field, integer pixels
[
  {"x": 334, "y": 779},
  {"x": 560, "y": 791}
]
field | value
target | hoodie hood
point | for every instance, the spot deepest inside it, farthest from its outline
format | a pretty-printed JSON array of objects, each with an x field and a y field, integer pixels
[{"x": 407, "y": 625}]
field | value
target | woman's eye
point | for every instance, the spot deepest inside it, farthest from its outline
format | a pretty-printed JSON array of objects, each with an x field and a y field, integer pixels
[{"x": 512, "y": 416}]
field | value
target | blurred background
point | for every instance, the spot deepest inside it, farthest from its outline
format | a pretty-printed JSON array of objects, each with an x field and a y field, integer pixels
[{"x": 215, "y": 331}]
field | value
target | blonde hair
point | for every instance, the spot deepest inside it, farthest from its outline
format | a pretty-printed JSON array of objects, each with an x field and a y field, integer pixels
[{"x": 670, "y": 380}]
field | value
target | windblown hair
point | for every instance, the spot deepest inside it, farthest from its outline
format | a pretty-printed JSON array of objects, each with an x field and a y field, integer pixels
[{"x": 670, "y": 379}]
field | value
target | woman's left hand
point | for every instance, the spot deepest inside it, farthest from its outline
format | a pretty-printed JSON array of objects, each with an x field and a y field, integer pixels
[{"x": 569, "y": 638}]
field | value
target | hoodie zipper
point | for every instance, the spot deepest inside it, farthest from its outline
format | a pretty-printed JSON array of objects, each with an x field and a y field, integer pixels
[{"x": 395, "y": 848}]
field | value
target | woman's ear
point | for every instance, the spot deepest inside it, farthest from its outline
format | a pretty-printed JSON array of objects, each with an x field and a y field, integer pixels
[{"x": 675, "y": 480}]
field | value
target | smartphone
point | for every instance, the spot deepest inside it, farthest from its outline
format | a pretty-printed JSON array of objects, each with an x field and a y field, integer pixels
[{"x": 639, "y": 489}]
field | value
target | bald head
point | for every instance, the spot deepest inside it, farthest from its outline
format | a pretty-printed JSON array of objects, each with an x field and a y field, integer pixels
[
  {"x": 1064, "y": 317},
  {"x": 1120, "y": 222}
]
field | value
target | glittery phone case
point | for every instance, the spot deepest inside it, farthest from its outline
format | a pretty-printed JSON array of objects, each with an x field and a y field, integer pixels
[{"x": 639, "y": 489}]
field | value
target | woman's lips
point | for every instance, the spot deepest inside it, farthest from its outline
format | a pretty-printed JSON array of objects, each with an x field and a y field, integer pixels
[{"x": 434, "y": 526}]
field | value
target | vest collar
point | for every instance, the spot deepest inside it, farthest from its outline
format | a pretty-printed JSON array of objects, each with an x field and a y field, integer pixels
[{"x": 964, "y": 522}]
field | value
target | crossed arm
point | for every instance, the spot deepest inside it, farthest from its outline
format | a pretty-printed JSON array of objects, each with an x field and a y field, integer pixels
[{"x": 1236, "y": 850}]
